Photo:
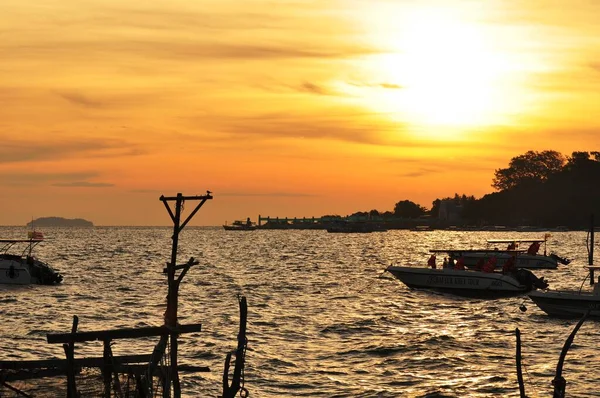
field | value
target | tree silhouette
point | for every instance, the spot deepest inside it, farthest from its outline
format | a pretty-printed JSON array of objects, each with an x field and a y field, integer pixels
[
  {"x": 406, "y": 208},
  {"x": 528, "y": 169}
]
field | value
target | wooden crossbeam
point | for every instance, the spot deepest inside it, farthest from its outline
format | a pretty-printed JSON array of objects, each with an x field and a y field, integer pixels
[
  {"x": 125, "y": 333},
  {"x": 62, "y": 363}
]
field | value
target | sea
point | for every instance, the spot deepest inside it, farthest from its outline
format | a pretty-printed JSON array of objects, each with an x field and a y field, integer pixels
[{"x": 324, "y": 318}]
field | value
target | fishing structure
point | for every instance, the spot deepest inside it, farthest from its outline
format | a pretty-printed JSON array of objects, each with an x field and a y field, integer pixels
[{"x": 130, "y": 376}]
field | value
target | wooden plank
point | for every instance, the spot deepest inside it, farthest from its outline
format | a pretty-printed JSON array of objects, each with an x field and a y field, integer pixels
[
  {"x": 121, "y": 368},
  {"x": 125, "y": 333},
  {"x": 142, "y": 369},
  {"x": 62, "y": 363}
]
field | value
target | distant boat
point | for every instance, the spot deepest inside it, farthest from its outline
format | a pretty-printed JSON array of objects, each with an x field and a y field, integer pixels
[
  {"x": 239, "y": 225},
  {"x": 23, "y": 268},
  {"x": 354, "y": 227},
  {"x": 422, "y": 228}
]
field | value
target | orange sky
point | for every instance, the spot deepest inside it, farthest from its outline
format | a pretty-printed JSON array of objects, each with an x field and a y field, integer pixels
[{"x": 282, "y": 108}]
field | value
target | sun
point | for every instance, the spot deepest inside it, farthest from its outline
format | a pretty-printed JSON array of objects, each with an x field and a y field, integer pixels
[{"x": 446, "y": 71}]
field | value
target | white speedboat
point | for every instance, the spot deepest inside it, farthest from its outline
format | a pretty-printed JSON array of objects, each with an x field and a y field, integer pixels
[
  {"x": 467, "y": 282},
  {"x": 568, "y": 304},
  {"x": 573, "y": 303},
  {"x": 22, "y": 268},
  {"x": 519, "y": 248}
]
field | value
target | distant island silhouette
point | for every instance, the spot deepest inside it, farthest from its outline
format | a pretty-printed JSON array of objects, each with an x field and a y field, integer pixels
[{"x": 59, "y": 222}]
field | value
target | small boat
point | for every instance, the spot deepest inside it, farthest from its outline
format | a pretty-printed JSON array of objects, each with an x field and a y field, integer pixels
[
  {"x": 354, "y": 227},
  {"x": 573, "y": 303},
  {"x": 569, "y": 303},
  {"x": 469, "y": 283},
  {"x": 525, "y": 257},
  {"x": 239, "y": 225},
  {"x": 23, "y": 268}
]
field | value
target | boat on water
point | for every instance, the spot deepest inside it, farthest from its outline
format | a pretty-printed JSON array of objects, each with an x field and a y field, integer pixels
[
  {"x": 469, "y": 283},
  {"x": 569, "y": 303},
  {"x": 525, "y": 251},
  {"x": 18, "y": 265},
  {"x": 239, "y": 225},
  {"x": 354, "y": 227},
  {"x": 573, "y": 303}
]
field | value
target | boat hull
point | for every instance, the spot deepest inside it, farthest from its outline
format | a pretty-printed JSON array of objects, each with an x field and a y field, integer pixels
[
  {"x": 14, "y": 275},
  {"x": 567, "y": 304},
  {"x": 238, "y": 228},
  {"x": 463, "y": 283},
  {"x": 20, "y": 272}
]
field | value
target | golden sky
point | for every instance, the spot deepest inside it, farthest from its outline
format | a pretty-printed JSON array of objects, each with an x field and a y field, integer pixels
[{"x": 282, "y": 108}]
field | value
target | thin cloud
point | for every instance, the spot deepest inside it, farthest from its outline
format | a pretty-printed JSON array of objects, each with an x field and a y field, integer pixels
[
  {"x": 420, "y": 173},
  {"x": 314, "y": 89},
  {"x": 20, "y": 151},
  {"x": 19, "y": 178},
  {"x": 83, "y": 184},
  {"x": 267, "y": 194},
  {"x": 367, "y": 130},
  {"x": 386, "y": 85},
  {"x": 79, "y": 99}
]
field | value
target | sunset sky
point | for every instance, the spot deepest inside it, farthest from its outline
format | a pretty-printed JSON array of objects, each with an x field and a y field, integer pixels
[{"x": 282, "y": 108}]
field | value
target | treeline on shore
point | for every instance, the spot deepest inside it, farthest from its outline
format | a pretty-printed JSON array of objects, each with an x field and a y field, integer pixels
[{"x": 543, "y": 189}]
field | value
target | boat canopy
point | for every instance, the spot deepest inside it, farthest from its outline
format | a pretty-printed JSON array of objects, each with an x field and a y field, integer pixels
[
  {"x": 515, "y": 251},
  {"x": 515, "y": 240}
]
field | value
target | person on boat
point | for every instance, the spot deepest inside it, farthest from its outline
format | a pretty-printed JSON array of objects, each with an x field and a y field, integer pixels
[
  {"x": 248, "y": 222},
  {"x": 431, "y": 261},
  {"x": 533, "y": 248},
  {"x": 460, "y": 264},
  {"x": 511, "y": 246},
  {"x": 480, "y": 264},
  {"x": 445, "y": 263},
  {"x": 490, "y": 265},
  {"x": 509, "y": 266}
]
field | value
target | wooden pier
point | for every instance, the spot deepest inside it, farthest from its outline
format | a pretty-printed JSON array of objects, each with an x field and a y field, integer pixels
[{"x": 131, "y": 376}]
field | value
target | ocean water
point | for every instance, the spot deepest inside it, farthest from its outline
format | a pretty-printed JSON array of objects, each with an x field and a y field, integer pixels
[{"x": 324, "y": 319}]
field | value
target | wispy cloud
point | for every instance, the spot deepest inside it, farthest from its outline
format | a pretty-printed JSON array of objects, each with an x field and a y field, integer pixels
[
  {"x": 79, "y": 179},
  {"x": 83, "y": 184},
  {"x": 365, "y": 128},
  {"x": 20, "y": 150},
  {"x": 267, "y": 194},
  {"x": 421, "y": 172},
  {"x": 80, "y": 99},
  {"x": 314, "y": 89}
]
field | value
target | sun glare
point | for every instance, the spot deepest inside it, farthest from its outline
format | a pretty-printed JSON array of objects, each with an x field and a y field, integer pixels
[{"x": 445, "y": 71}]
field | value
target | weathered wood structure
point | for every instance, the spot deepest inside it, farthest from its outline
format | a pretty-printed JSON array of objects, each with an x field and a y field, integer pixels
[{"x": 148, "y": 375}]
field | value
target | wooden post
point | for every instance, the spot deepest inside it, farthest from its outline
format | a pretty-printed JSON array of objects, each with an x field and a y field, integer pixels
[
  {"x": 591, "y": 249},
  {"x": 107, "y": 370},
  {"x": 173, "y": 292},
  {"x": 70, "y": 354},
  {"x": 519, "y": 371}
]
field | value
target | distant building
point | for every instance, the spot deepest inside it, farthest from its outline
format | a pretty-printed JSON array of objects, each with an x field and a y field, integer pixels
[{"x": 450, "y": 211}]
